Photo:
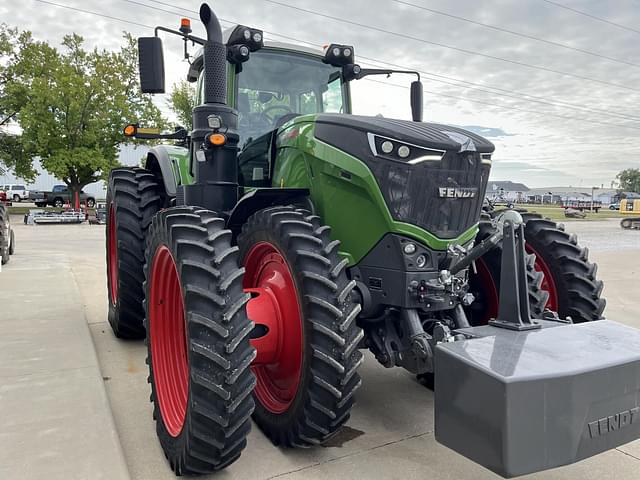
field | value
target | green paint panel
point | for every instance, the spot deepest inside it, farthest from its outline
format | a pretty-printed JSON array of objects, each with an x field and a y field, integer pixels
[
  {"x": 180, "y": 161},
  {"x": 344, "y": 192}
]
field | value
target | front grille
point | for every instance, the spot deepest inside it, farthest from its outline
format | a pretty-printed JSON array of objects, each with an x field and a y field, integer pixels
[{"x": 412, "y": 192}]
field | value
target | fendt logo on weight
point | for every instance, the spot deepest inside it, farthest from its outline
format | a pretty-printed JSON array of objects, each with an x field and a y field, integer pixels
[
  {"x": 612, "y": 423},
  {"x": 450, "y": 192}
]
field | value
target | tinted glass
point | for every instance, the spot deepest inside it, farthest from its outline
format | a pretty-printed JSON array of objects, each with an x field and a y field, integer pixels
[{"x": 273, "y": 87}]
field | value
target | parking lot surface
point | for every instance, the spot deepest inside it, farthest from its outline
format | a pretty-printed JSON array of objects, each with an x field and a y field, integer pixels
[{"x": 390, "y": 433}]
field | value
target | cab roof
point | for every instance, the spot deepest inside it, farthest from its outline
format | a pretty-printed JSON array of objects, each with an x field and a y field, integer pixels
[{"x": 196, "y": 64}]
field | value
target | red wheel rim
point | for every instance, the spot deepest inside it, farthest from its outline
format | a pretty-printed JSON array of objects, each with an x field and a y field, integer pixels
[
  {"x": 548, "y": 285},
  {"x": 112, "y": 255},
  {"x": 275, "y": 305},
  {"x": 167, "y": 337},
  {"x": 490, "y": 294}
]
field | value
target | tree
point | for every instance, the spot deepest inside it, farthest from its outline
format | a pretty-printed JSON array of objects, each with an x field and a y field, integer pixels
[
  {"x": 630, "y": 180},
  {"x": 12, "y": 154},
  {"x": 182, "y": 101},
  {"x": 71, "y": 106}
]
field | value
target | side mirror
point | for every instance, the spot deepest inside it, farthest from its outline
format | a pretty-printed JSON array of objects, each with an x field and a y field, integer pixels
[
  {"x": 151, "y": 63},
  {"x": 416, "y": 101}
]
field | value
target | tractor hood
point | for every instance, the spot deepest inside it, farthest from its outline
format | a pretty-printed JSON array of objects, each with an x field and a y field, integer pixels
[
  {"x": 429, "y": 135},
  {"x": 430, "y": 175}
]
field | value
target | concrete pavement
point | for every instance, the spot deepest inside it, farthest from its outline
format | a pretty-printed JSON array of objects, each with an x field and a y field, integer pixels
[
  {"x": 390, "y": 433},
  {"x": 55, "y": 419}
]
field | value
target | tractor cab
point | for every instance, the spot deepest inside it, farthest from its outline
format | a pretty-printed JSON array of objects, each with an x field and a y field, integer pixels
[{"x": 280, "y": 82}]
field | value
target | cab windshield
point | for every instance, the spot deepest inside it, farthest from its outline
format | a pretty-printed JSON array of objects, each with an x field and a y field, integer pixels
[{"x": 274, "y": 87}]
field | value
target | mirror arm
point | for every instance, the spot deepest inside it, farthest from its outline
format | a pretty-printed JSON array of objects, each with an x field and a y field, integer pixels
[
  {"x": 193, "y": 38},
  {"x": 177, "y": 135},
  {"x": 383, "y": 71}
]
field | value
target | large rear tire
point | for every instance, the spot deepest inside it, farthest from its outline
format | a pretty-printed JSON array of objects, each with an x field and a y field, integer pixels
[
  {"x": 132, "y": 200},
  {"x": 569, "y": 277},
  {"x": 5, "y": 235},
  {"x": 199, "y": 354},
  {"x": 307, "y": 380}
]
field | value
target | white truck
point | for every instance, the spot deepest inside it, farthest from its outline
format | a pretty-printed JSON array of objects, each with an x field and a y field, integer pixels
[{"x": 15, "y": 192}]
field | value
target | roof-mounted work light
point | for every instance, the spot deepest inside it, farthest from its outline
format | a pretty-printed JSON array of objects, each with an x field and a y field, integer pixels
[
  {"x": 338, "y": 55},
  {"x": 251, "y": 37}
]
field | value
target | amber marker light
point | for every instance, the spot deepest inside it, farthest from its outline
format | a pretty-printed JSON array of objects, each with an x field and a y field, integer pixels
[
  {"x": 129, "y": 130},
  {"x": 217, "y": 139},
  {"x": 185, "y": 26}
]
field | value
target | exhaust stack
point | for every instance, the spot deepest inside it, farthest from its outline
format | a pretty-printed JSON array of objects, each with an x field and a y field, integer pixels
[
  {"x": 215, "y": 59},
  {"x": 214, "y": 164}
]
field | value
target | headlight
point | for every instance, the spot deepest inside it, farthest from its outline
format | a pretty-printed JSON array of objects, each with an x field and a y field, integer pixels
[
  {"x": 404, "y": 151},
  {"x": 409, "y": 248}
]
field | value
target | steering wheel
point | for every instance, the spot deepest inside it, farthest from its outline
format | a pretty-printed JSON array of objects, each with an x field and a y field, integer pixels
[{"x": 284, "y": 108}]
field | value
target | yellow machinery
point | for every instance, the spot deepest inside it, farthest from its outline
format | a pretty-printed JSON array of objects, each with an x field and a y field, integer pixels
[{"x": 630, "y": 206}]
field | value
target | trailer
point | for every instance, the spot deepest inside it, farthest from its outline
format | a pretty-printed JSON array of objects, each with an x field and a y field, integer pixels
[
  {"x": 42, "y": 217},
  {"x": 582, "y": 205}
]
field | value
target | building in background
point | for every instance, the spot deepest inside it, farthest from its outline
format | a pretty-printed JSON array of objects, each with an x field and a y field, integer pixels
[
  {"x": 130, "y": 155},
  {"x": 558, "y": 195},
  {"x": 506, "y": 191}
]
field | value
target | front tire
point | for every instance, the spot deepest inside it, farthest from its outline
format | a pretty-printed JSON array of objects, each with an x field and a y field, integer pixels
[
  {"x": 198, "y": 341},
  {"x": 305, "y": 388},
  {"x": 132, "y": 200},
  {"x": 484, "y": 282},
  {"x": 569, "y": 277}
]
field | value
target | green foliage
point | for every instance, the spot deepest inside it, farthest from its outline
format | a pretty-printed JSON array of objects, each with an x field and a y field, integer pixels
[
  {"x": 71, "y": 105},
  {"x": 182, "y": 101},
  {"x": 14, "y": 157},
  {"x": 629, "y": 180}
]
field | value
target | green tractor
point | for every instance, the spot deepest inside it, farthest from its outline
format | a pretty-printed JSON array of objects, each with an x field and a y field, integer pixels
[{"x": 283, "y": 235}]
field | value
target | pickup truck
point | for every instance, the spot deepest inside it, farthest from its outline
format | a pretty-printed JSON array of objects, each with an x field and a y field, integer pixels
[
  {"x": 60, "y": 195},
  {"x": 15, "y": 192}
]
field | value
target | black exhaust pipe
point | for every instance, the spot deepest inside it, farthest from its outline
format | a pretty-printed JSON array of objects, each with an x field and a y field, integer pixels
[
  {"x": 214, "y": 167},
  {"x": 215, "y": 59}
]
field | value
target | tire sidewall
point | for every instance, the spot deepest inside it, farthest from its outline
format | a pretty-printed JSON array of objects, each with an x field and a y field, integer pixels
[{"x": 172, "y": 445}]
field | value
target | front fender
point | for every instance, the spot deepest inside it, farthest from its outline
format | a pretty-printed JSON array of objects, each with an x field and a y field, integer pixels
[
  {"x": 170, "y": 163},
  {"x": 262, "y": 198}
]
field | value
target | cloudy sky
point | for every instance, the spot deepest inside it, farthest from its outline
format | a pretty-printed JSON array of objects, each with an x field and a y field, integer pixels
[{"x": 568, "y": 117}]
